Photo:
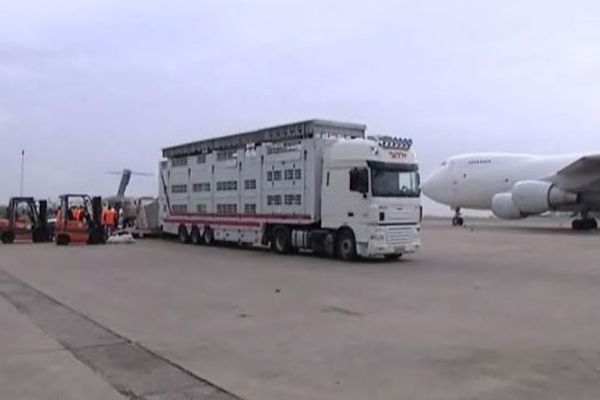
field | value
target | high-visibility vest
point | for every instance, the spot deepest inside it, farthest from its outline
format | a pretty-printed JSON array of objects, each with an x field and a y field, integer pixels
[{"x": 108, "y": 217}]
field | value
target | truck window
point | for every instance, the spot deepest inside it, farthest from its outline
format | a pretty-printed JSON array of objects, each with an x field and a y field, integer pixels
[
  {"x": 391, "y": 181},
  {"x": 359, "y": 180}
]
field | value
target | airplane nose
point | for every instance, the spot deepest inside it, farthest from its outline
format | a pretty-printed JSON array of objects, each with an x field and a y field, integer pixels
[{"x": 432, "y": 187}]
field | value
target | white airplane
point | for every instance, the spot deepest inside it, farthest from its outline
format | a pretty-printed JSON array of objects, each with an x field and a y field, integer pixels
[{"x": 515, "y": 186}]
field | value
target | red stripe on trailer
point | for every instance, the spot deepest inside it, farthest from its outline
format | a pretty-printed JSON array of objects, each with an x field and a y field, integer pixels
[
  {"x": 244, "y": 216},
  {"x": 254, "y": 220},
  {"x": 212, "y": 222}
]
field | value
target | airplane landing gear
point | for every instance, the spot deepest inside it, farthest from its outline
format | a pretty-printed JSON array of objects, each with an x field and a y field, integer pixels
[
  {"x": 457, "y": 220},
  {"x": 585, "y": 223}
]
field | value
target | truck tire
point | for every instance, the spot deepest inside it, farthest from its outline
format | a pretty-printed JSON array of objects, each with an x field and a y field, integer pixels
[
  {"x": 195, "y": 236},
  {"x": 281, "y": 241},
  {"x": 346, "y": 245},
  {"x": 329, "y": 245},
  {"x": 393, "y": 257},
  {"x": 7, "y": 237},
  {"x": 208, "y": 236},
  {"x": 182, "y": 234}
]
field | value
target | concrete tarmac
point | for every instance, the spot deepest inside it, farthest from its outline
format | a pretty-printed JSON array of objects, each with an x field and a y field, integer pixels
[
  {"x": 488, "y": 311},
  {"x": 33, "y": 366}
]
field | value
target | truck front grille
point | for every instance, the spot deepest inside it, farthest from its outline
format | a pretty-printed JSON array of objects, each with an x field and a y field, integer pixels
[{"x": 400, "y": 235}]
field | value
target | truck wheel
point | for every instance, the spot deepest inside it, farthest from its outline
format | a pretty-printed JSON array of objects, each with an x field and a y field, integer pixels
[
  {"x": 183, "y": 234},
  {"x": 195, "y": 236},
  {"x": 208, "y": 237},
  {"x": 329, "y": 244},
  {"x": 346, "y": 245},
  {"x": 393, "y": 257},
  {"x": 8, "y": 237},
  {"x": 281, "y": 241}
]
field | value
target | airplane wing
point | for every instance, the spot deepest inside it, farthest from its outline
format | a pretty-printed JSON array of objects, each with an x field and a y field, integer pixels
[
  {"x": 582, "y": 175},
  {"x": 583, "y": 166}
]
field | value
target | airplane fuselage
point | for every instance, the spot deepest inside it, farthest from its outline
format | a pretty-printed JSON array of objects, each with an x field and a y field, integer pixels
[{"x": 472, "y": 180}]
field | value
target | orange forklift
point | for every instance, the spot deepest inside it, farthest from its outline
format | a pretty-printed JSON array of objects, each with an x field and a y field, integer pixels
[
  {"x": 24, "y": 221},
  {"x": 78, "y": 220}
]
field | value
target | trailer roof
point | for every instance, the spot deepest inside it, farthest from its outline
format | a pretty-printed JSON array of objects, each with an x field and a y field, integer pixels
[{"x": 295, "y": 130}]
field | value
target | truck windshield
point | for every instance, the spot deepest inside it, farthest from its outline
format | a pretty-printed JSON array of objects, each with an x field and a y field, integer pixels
[{"x": 394, "y": 181}]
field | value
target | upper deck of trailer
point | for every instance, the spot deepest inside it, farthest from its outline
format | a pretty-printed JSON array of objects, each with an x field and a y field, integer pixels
[{"x": 296, "y": 130}]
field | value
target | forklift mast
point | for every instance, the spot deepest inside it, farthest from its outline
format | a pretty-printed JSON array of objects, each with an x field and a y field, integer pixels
[
  {"x": 43, "y": 213},
  {"x": 97, "y": 210}
]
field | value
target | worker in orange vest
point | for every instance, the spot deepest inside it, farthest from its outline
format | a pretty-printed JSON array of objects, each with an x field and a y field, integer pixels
[
  {"x": 103, "y": 216},
  {"x": 77, "y": 213},
  {"x": 103, "y": 219},
  {"x": 108, "y": 219},
  {"x": 114, "y": 217}
]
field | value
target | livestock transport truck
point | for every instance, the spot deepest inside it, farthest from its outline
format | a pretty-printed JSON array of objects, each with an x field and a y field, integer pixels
[{"x": 317, "y": 185}]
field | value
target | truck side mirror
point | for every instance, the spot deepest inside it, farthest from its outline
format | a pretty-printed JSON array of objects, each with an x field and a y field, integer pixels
[{"x": 359, "y": 180}]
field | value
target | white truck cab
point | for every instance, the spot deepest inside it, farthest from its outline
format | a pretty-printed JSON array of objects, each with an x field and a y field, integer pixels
[{"x": 372, "y": 187}]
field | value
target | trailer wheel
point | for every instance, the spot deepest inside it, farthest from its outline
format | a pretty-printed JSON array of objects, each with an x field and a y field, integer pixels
[
  {"x": 183, "y": 234},
  {"x": 195, "y": 236},
  {"x": 63, "y": 240},
  {"x": 281, "y": 240},
  {"x": 208, "y": 237},
  {"x": 8, "y": 237},
  {"x": 346, "y": 245}
]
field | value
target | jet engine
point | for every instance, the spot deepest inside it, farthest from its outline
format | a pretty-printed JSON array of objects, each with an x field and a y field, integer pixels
[
  {"x": 504, "y": 207},
  {"x": 536, "y": 197}
]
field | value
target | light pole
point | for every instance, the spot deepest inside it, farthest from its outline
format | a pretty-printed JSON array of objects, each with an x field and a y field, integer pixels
[{"x": 22, "y": 170}]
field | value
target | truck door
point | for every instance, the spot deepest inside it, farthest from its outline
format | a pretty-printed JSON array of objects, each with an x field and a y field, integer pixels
[{"x": 345, "y": 199}]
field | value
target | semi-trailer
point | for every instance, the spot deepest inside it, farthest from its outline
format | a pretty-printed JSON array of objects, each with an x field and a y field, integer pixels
[{"x": 318, "y": 185}]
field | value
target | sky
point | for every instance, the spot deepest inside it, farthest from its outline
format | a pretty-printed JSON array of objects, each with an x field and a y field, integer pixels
[{"x": 88, "y": 87}]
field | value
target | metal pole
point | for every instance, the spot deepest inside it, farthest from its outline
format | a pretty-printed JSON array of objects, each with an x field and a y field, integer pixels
[{"x": 22, "y": 170}]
